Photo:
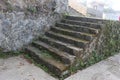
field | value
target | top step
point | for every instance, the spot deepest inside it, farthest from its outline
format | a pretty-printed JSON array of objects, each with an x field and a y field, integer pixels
[{"x": 85, "y": 19}]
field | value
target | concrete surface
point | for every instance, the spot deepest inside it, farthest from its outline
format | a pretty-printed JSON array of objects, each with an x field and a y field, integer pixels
[
  {"x": 18, "y": 68},
  {"x": 108, "y": 69}
]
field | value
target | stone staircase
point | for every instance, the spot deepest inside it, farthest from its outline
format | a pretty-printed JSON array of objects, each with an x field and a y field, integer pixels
[{"x": 64, "y": 43}]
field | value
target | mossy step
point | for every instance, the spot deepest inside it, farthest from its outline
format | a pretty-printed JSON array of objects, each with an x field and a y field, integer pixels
[
  {"x": 86, "y": 19},
  {"x": 78, "y": 28},
  {"x": 62, "y": 46},
  {"x": 55, "y": 66},
  {"x": 80, "y": 23},
  {"x": 81, "y": 35},
  {"x": 63, "y": 56},
  {"x": 67, "y": 39}
]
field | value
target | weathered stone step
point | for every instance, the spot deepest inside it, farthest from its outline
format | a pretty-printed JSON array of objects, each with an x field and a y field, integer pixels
[
  {"x": 62, "y": 46},
  {"x": 78, "y": 28},
  {"x": 80, "y": 23},
  {"x": 63, "y": 56},
  {"x": 85, "y": 19},
  {"x": 55, "y": 66},
  {"x": 81, "y": 35},
  {"x": 67, "y": 39}
]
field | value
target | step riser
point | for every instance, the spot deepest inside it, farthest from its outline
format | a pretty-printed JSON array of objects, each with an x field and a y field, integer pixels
[
  {"x": 91, "y": 25},
  {"x": 77, "y": 44},
  {"x": 63, "y": 59},
  {"x": 42, "y": 62},
  {"x": 79, "y": 29},
  {"x": 61, "y": 47},
  {"x": 76, "y": 35},
  {"x": 65, "y": 44},
  {"x": 84, "y": 19}
]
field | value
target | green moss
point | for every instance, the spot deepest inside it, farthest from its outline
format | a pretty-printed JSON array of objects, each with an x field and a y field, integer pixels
[
  {"x": 39, "y": 65},
  {"x": 109, "y": 46},
  {"x": 9, "y": 54},
  {"x": 112, "y": 38},
  {"x": 9, "y": 6},
  {"x": 32, "y": 9},
  {"x": 65, "y": 14}
]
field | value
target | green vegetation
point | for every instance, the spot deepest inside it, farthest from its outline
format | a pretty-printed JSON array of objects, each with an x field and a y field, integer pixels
[
  {"x": 32, "y": 9},
  {"x": 65, "y": 14},
  {"x": 110, "y": 46},
  {"x": 94, "y": 58},
  {"x": 9, "y": 54},
  {"x": 39, "y": 65},
  {"x": 9, "y": 6},
  {"x": 111, "y": 42}
]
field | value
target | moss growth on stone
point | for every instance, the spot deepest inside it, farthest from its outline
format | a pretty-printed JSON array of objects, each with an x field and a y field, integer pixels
[
  {"x": 32, "y": 9},
  {"x": 109, "y": 46},
  {"x": 5, "y": 55},
  {"x": 39, "y": 65},
  {"x": 111, "y": 41}
]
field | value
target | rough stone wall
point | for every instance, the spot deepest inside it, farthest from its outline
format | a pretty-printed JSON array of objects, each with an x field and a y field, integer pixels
[
  {"x": 21, "y": 21},
  {"x": 107, "y": 41}
]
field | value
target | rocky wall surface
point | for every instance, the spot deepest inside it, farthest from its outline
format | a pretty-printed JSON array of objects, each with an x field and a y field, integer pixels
[
  {"x": 107, "y": 41},
  {"x": 21, "y": 21}
]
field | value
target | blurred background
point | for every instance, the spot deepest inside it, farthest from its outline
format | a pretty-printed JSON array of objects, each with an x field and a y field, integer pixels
[{"x": 103, "y": 9}]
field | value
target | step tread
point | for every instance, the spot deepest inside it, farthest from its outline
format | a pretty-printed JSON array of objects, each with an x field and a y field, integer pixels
[
  {"x": 78, "y": 26},
  {"x": 68, "y": 37},
  {"x": 62, "y": 43},
  {"x": 62, "y": 54},
  {"x": 81, "y": 22},
  {"x": 50, "y": 61},
  {"x": 86, "y": 17},
  {"x": 82, "y": 33},
  {"x": 98, "y": 20}
]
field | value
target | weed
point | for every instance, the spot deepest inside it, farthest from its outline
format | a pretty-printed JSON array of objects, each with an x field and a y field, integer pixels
[
  {"x": 65, "y": 14},
  {"x": 10, "y": 54},
  {"x": 9, "y": 6},
  {"x": 32, "y": 9},
  {"x": 27, "y": 56}
]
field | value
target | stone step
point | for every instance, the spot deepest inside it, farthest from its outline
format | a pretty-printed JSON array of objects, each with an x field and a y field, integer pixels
[
  {"x": 81, "y": 35},
  {"x": 85, "y": 24},
  {"x": 53, "y": 65},
  {"x": 62, "y": 46},
  {"x": 66, "y": 43},
  {"x": 78, "y": 28},
  {"x": 67, "y": 39},
  {"x": 63, "y": 56},
  {"x": 85, "y": 19}
]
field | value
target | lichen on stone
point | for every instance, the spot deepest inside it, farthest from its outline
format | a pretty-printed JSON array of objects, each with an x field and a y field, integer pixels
[{"x": 21, "y": 21}]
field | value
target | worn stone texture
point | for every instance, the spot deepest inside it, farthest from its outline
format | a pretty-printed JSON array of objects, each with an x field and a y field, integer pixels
[
  {"x": 18, "y": 68},
  {"x": 21, "y": 21}
]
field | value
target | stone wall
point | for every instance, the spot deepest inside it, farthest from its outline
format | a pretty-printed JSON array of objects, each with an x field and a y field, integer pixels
[
  {"x": 109, "y": 41},
  {"x": 21, "y": 21}
]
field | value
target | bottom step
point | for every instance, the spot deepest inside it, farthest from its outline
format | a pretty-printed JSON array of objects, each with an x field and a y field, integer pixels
[{"x": 54, "y": 65}]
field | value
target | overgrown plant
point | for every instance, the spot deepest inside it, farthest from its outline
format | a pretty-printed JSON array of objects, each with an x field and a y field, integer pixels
[
  {"x": 111, "y": 42},
  {"x": 32, "y": 9},
  {"x": 109, "y": 46},
  {"x": 9, "y": 54}
]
